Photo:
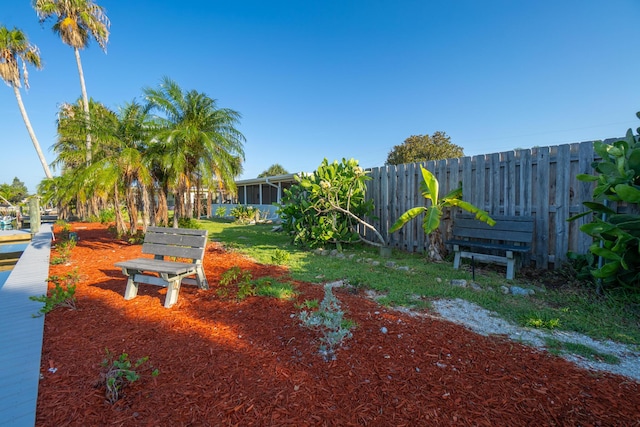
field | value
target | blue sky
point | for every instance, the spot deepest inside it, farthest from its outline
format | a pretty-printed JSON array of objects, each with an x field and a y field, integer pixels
[{"x": 349, "y": 78}]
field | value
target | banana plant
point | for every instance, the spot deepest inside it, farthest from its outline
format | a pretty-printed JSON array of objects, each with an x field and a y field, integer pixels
[{"x": 429, "y": 187}]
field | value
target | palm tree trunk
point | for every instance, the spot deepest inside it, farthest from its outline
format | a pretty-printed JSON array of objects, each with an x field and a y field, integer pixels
[
  {"x": 120, "y": 225},
  {"x": 27, "y": 123},
  {"x": 85, "y": 103}
]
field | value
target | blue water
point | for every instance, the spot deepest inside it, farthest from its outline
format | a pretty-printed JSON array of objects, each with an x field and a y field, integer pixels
[
  {"x": 6, "y": 248},
  {"x": 4, "y": 275},
  {"x": 13, "y": 247}
]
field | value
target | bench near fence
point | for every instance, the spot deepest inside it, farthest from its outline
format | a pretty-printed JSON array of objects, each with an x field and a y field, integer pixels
[
  {"x": 167, "y": 242},
  {"x": 510, "y": 236}
]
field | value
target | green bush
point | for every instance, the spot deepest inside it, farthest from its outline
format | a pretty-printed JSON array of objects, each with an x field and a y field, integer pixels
[
  {"x": 616, "y": 236},
  {"x": 244, "y": 214},
  {"x": 327, "y": 206},
  {"x": 221, "y": 212}
]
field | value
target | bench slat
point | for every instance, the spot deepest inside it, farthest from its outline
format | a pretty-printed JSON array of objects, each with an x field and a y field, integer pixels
[
  {"x": 175, "y": 251},
  {"x": 489, "y": 246},
  {"x": 156, "y": 265},
  {"x": 178, "y": 231}
]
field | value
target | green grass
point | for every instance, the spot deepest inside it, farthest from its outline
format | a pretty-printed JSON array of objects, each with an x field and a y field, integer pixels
[
  {"x": 559, "y": 347},
  {"x": 571, "y": 308}
]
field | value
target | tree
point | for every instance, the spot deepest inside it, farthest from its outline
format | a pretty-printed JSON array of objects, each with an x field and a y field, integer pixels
[
  {"x": 14, "y": 192},
  {"x": 328, "y": 206},
  {"x": 421, "y": 148},
  {"x": 195, "y": 139},
  {"x": 76, "y": 21},
  {"x": 430, "y": 188},
  {"x": 273, "y": 170},
  {"x": 15, "y": 53}
]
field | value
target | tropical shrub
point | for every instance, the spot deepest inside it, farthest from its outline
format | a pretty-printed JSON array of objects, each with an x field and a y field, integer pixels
[
  {"x": 616, "y": 236},
  {"x": 327, "y": 206},
  {"x": 244, "y": 214},
  {"x": 429, "y": 187},
  {"x": 63, "y": 293}
]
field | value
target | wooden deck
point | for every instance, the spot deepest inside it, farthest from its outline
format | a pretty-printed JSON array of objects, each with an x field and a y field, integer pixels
[{"x": 21, "y": 334}]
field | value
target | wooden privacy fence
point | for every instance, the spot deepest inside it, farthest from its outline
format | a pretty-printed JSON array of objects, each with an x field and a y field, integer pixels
[{"x": 539, "y": 182}]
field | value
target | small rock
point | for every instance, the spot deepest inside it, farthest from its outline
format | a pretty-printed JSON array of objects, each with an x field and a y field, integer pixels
[
  {"x": 390, "y": 264},
  {"x": 475, "y": 286},
  {"x": 461, "y": 283},
  {"x": 504, "y": 289},
  {"x": 334, "y": 252},
  {"x": 383, "y": 330},
  {"x": 438, "y": 279},
  {"x": 375, "y": 263},
  {"x": 340, "y": 256},
  {"x": 403, "y": 268},
  {"x": 351, "y": 256},
  {"x": 517, "y": 290}
]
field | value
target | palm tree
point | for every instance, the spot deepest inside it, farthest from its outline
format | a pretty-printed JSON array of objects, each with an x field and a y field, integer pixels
[
  {"x": 196, "y": 138},
  {"x": 76, "y": 21},
  {"x": 15, "y": 53}
]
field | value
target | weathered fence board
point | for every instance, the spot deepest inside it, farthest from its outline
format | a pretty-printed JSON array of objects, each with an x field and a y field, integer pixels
[{"x": 539, "y": 182}]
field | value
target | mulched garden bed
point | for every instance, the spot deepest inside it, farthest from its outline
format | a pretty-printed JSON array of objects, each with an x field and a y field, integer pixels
[{"x": 250, "y": 363}]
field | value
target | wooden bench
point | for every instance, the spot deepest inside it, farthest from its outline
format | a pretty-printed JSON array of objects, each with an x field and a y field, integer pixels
[
  {"x": 167, "y": 242},
  {"x": 511, "y": 235}
]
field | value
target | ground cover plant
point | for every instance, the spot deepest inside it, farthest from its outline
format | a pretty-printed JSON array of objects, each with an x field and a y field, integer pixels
[{"x": 224, "y": 361}]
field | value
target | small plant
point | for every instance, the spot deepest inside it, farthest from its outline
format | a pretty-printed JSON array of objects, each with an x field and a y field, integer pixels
[
  {"x": 120, "y": 372},
  {"x": 235, "y": 276},
  {"x": 539, "y": 323},
  {"x": 244, "y": 214},
  {"x": 269, "y": 287},
  {"x": 61, "y": 295},
  {"x": 63, "y": 250},
  {"x": 329, "y": 318},
  {"x": 310, "y": 304},
  {"x": 189, "y": 223},
  {"x": 280, "y": 257},
  {"x": 64, "y": 228},
  {"x": 221, "y": 212}
]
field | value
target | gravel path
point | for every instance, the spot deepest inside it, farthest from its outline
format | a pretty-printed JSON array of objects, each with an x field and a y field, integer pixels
[{"x": 486, "y": 322}]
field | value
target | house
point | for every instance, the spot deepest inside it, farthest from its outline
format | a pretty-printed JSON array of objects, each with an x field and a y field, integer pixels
[{"x": 262, "y": 193}]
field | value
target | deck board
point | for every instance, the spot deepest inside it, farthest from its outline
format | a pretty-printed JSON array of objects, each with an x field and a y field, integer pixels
[{"x": 21, "y": 338}]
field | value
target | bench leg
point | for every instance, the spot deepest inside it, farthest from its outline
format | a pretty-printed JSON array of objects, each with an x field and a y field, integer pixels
[
  {"x": 511, "y": 265},
  {"x": 173, "y": 289},
  {"x": 456, "y": 258},
  {"x": 132, "y": 287},
  {"x": 201, "y": 278}
]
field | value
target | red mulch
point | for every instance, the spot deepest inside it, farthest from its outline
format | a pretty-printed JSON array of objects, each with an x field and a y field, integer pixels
[{"x": 250, "y": 363}]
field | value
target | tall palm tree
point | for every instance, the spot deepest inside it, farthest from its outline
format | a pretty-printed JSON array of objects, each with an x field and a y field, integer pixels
[
  {"x": 15, "y": 53},
  {"x": 76, "y": 21},
  {"x": 196, "y": 138}
]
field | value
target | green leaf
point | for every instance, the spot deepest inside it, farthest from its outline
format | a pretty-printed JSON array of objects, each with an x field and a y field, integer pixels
[
  {"x": 406, "y": 217},
  {"x": 598, "y": 207},
  {"x": 586, "y": 177},
  {"x": 628, "y": 193},
  {"x": 607, "y": 270},
  {"x": 432, "y": 219},
  {"x": 429, "y": 185},
  {"x": 604, "y": 253}
]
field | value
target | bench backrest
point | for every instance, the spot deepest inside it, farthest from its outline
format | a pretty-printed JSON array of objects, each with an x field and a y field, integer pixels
[
  {"x": 175, "y": 242},
  {"x": 516, "y": 229}
]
